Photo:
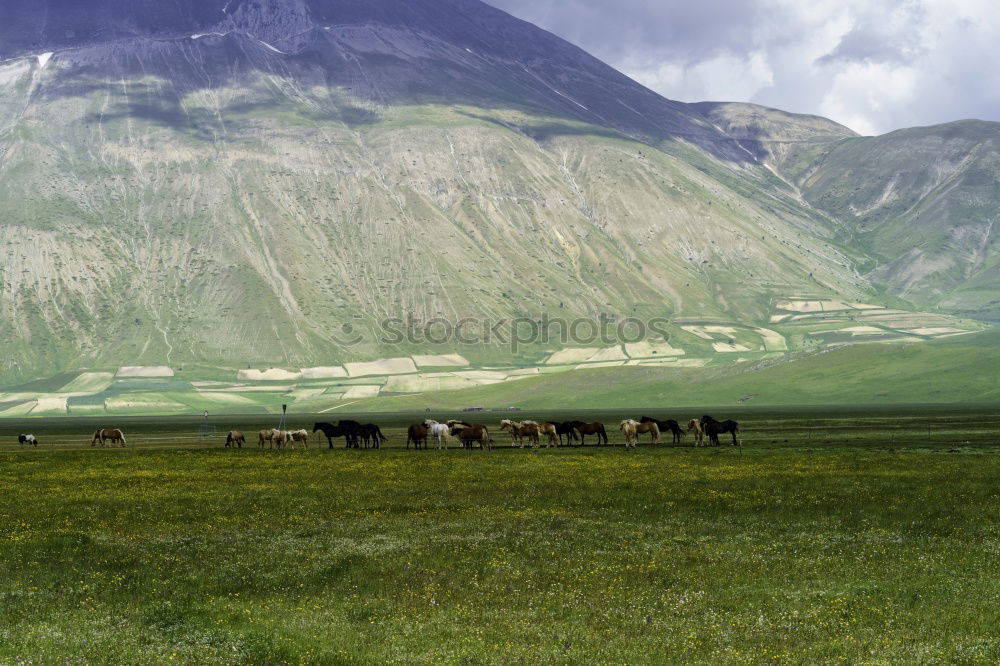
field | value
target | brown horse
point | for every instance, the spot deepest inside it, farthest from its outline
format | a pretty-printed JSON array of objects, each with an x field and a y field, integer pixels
[
  {"x": 520, "y": 431},
  {"x": 235, "y": 438},
  {"x": 114, "y": 434},
  {"x": 591, "y": 429},
  {"x": 417, "y": 434},
  {"x": 269, "y": 435},
  {"x": 473, "y": 433}
]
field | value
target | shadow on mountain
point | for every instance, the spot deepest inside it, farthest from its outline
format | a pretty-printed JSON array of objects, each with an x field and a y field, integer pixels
[{"x": 344, "y": 82}]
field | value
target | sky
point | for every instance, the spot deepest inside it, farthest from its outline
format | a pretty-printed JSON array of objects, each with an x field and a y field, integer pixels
[{"x": 873, "y": 65}]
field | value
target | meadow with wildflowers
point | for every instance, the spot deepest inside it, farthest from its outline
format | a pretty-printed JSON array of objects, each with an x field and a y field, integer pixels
[{"x": 831, "y": 546}]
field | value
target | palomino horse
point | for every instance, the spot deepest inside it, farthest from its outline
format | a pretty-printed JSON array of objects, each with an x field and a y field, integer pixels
[
  {"x": 27, "y": 440},
  {"x": 520, "y": 431},
  {"x": 715, "y": 428},
  {"x": 628, "y": 429},
  {"x": 114, "y": 434},
  {"x": 417, "y": 433},
  {"x": 699, "y": 432},
  {"x": 548, "y": 430},
  {"x": 673, "y": 426},
  {"x": 634, "y": 428},
  {"x": 591, "y": 429},
  {"x": 235, "y": 438}
]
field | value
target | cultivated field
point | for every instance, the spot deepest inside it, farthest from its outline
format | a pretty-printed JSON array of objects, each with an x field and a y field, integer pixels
[{"x": 847, "y": 535}]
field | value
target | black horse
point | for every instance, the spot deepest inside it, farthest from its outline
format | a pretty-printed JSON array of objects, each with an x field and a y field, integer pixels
[
  {"x": 352, "y": 432},
  {"x": 715, "y": 428},
  {"x": 370, "y": 432},
  {"x": 673, "y": 426},
  {"x": 331, "y": 431},
  {"x": 565, "y": 428}
]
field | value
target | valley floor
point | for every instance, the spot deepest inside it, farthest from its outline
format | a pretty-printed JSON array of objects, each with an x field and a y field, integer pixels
[{"x": 849, "y": 534}]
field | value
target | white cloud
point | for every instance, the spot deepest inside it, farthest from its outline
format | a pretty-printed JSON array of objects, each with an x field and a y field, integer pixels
[{"x": 875, "y": 66}]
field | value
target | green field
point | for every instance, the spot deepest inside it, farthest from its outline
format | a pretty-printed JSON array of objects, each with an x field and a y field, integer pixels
[{"x": 834, "y": 535}]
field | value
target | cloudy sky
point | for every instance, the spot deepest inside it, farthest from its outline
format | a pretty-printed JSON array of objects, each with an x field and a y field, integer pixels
[{"x": 874, "y": 65}]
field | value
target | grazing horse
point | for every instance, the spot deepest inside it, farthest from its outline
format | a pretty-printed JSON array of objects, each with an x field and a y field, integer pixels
[
  {"x": 280, "y": 438},
  {"x": 370, "y": 432},
  {"x": 266, "y": 435},
  {"x": 591, "y": 429},
  {"x": 628, "y": 428},
  {"x": 673, "y": 426},
  {"x": 520, "y": 431},
  {"x": 715, "y": 428},
  {"x": 299, "y": 436},
  {"x": 417, "y": 433},
  {"x": 440, "y": 432},
  {"x": 29, "y": 440},
  {"x": 473, "y": 433},
  {"x": 114, "y": 434},
  {"x": 564, "y": 428},
  {"x": 235, "y": 438},
  {"x": 699, "y": 432}
]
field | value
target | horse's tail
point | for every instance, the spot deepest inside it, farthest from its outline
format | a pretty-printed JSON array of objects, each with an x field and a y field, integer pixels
[{"x": 122, "y": 435}]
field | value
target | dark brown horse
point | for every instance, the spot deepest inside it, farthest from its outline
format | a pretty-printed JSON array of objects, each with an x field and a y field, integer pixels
[
  {"x": 715, "y": 428},
  {"x": 417, "y": 434},
  {"x": 590, "y": 429},
  {"x": 473, "y": 433},
  {"x": 673, "y": 426},
  {"x": 114, "y": 434},
  {"x": 565, "y": 428},
  {"x": 235, "y": 438}
]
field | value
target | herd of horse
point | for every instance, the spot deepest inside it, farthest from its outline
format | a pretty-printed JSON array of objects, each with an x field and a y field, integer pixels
[
  {"x": 556, "y": 433},
  {"x": 468, "y": 435}
]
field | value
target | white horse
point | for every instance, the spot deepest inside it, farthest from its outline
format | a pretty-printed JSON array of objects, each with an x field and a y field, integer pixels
[{"x": 440, "y": 432}]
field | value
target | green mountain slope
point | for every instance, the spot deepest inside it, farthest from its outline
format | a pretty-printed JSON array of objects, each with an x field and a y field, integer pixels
[
  {"x": 922, "y": 203},
  {"x": 262, "y": 185}
]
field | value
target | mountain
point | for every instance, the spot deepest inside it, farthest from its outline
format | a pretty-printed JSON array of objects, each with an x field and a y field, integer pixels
[{"x": 262, "y": 182}]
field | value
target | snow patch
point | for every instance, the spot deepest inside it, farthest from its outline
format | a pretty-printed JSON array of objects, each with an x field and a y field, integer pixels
[
  {"x": 44, "y": 58},
  {"x": 271, "y": 47}
]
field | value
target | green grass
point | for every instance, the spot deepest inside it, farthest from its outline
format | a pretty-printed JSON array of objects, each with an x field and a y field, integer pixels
[
  {"x": 834, "y": 536},
  {"x": 953, "y": 370}
]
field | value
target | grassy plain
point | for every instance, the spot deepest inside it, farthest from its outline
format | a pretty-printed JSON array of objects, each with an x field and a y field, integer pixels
[{"x": 855, "y": 535}]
